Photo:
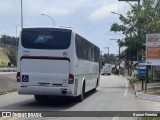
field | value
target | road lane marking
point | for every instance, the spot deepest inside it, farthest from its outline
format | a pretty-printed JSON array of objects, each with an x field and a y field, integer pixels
[
  {"x": 126, "y": 90},
  {"x": 156, "y": 106},
  {"x": 115, "y": 118},
  {"x": 8, "y": 94},
  {"x": 7, "y": 73},
  {"x": 8, "y": 118}
]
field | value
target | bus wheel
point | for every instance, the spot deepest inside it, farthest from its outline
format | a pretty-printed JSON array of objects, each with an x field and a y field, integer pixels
[
  {"x": 40, "y": 97},
  {"x": 81, "y": 97},
  {"x": 95, "y": 89}
]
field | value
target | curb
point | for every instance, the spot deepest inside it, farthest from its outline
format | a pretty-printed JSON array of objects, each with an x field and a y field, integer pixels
[
  {"x": 5, "y": 92},
  {"x": 8, "y": 69},
  {"x": 141, "y": 95}
]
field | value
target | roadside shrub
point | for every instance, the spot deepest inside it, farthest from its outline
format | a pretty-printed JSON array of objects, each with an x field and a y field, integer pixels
[
  {"x": 149, "y": 118},
  {"x": 13, "y": 57},
  {"x": 134, "y": 80},
  {"x": 140, "y": 77}
]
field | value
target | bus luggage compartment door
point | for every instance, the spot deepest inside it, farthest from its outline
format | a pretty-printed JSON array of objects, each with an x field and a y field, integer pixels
[{"x": 42, "y": 72}]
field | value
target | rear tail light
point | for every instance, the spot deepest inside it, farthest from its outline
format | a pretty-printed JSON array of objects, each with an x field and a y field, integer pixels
[
  {"x": 71, "y": 79},
  {"x": 18, "y": 77}
]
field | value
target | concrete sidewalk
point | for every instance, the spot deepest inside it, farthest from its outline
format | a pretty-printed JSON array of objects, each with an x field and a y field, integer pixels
[
  {"x": 145, "y": 96},
  {"x": 141, "y": 94},
  {"x": 148, "y": 95}
]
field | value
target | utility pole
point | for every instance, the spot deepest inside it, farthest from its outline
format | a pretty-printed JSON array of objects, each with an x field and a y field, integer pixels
[
  {"x": 108, "y": 49},
  {"x": 16, "y": 37},
  {"x": 138, "y": 32},
  {"x": 16, "y": 29},
  {"x": 21, "y": 14},
  {"x": 138, "y": 2},
  {"x": 108, "y": 54},
  {"x": 131, "y": 1},
  {"x": 118, "y": 52}
]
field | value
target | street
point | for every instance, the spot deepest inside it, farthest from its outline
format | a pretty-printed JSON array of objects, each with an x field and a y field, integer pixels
[
  {"x": 58, "y": 47},
  {"x": 113, "y": 94}
]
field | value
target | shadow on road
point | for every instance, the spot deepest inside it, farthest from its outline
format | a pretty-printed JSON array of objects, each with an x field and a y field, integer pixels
[{"x": 56, "y": 103}]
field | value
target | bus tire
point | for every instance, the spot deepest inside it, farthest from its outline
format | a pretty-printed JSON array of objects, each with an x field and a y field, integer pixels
[
  {"x": 40, "y": 97},
  {"x": 80, "y": 98},
  {"x": 95, "y": 89}
]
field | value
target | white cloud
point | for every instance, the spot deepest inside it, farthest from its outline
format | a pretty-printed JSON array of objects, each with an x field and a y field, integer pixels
[
  {"x": 6, "y": 7},
  {"x": 57, "y": 11},
  {"x": 105, "y": 10},
  {"x": 72, "y": 13},
  {"x": 54, "y": 8}
]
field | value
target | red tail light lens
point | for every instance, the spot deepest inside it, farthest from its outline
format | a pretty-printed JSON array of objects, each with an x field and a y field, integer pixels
[
  {"x": 18, "y": 76},
  {"x": 71, "y": 79}
]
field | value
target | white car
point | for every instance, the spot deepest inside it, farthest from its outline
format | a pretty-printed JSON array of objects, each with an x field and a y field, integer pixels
[{"x": 107, "y": 69}]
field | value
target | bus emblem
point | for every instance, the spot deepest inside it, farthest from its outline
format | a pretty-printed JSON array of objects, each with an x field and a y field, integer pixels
[{"x": 65, "y": 54}]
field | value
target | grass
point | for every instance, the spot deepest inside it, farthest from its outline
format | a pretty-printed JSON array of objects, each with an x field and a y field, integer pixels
[
  {"x": 3, "y": 58},
  {"x": 149, "y": 118},
  {"x": 7, "y": 91},
  {"x": 153, "y": 91},
  {"x": 132, "y": 81}
]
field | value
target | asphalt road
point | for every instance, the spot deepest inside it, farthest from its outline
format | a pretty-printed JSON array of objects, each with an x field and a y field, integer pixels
[{"x": 113, "y": 94}]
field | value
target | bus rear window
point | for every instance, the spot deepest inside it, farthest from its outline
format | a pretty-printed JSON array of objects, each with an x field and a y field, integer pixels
[{"x": 46, "y": 38}]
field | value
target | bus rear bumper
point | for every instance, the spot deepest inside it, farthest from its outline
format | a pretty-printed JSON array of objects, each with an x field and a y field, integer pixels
[{"x": 43, "y": 90}]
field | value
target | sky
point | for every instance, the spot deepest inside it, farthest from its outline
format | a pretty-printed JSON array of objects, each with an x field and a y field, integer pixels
[{"x": 90, "y": 18}]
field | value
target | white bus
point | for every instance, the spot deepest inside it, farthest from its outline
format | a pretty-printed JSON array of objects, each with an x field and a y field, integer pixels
[{"x": 56, "y": 61}]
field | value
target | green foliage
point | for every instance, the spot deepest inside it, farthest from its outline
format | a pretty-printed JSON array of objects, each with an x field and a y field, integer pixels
[
  {"x": 140, "y": 77},
  {"x": 134, "y": 80},
  {"x": 7, "y": 91},
  {"x": 134, "y": 68},
  {"x": 13, "y": 57},
  {"x": 5, "y": 39},
  {"x": 109, "y": 58},
  {"x": 149, "y": 76},
  {"x": 9, "y": 44},
  {"x": 2, "y": 64},
  {"x": 149, "y": 118},
  {"x": 115, "y": 27},
  {"x": 139, "y": 21}
]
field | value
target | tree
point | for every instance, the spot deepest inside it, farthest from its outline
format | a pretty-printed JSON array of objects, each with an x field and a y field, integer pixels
[
  {"x": 109, "y": 58},
  {"x": 10, "y": 43},
  {"x": 10, "y": 40},
  {"x": 139, "y": 21}
]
